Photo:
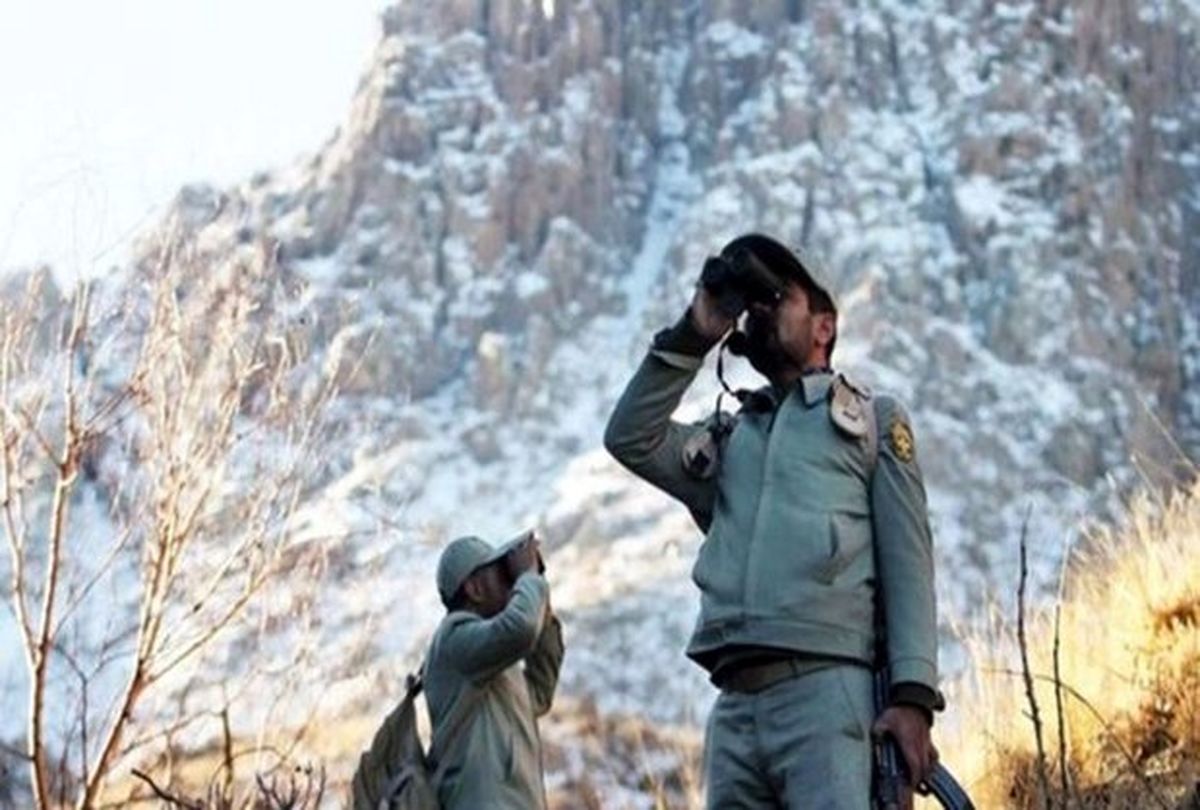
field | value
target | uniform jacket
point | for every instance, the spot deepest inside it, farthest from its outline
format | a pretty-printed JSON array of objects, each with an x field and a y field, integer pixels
[
  {"x": 790, "y": 515},
  {"x": 508, "y": 665}
]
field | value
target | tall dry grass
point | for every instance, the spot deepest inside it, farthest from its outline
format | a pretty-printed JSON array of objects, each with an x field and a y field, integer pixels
[{"x": 1122, "y": 730}]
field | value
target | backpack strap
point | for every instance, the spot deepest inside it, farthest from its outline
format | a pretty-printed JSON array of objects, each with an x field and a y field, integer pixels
[{"x": 414, "y": 683}]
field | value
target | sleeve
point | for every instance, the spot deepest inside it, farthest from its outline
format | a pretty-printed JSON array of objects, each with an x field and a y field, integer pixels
[
  {"x": 543, "y": 665},
  {"x": 918, "y": 695},
  {"x": 481, "y": 648},
  {"x": 904, "y": 554},
  {"x": 641, "y": 434}
]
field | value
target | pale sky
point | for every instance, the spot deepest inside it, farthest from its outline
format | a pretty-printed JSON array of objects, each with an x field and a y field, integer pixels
[{"x": 107, "y": 107}]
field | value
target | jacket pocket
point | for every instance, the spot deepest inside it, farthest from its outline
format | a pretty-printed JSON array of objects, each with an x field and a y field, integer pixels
[{"x": 849, "y": 539}]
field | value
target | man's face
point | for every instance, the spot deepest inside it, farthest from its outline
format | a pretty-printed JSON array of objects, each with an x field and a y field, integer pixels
[
  {"x": 489, "y": 589},
  {"x": 787, "y": 336}
]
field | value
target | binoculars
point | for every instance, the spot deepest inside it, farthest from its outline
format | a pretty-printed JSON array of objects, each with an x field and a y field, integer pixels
[{"x": 738, "y": 280}]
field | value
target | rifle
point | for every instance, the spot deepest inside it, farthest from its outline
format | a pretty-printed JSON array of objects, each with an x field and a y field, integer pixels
[{"x": 891, "y": 772}]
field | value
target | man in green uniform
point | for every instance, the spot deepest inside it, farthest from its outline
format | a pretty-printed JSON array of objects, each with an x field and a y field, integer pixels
[
  {"x": 813, "y": 506},
  {"x": 491, "y": 671}
]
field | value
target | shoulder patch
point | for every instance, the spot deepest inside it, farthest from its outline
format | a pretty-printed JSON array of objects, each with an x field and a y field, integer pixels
[{"x": 900, "y": 439}]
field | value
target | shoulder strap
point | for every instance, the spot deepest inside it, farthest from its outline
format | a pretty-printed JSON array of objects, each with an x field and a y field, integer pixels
[{"x": 414, "y": 683}]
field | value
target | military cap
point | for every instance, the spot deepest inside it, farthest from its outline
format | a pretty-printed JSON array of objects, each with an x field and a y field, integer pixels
[{"x": 466, "y": 555}]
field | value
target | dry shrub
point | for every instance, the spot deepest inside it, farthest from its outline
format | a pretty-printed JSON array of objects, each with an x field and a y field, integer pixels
[
  {"x": 1129, "y": 663},
  {"x": 160, "y": 439},
  {"x": 596, "y": 760}
]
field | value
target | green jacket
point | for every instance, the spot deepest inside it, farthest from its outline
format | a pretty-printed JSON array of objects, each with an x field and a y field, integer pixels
[
  {"x": 790, "y": 513},
  {"x": 508, "y": 666}
]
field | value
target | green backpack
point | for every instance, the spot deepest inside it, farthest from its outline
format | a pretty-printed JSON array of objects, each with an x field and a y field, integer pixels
[{"x": 396, "y": 773}]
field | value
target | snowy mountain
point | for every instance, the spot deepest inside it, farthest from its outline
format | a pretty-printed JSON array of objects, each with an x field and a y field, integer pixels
[{"x": 524, "y": 192}]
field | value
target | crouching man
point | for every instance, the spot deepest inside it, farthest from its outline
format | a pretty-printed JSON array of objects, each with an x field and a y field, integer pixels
[{"x": 491, "y": 671}]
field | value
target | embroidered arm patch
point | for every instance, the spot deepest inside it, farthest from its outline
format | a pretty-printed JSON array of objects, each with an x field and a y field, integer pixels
[{"x": 900, "y": 439}]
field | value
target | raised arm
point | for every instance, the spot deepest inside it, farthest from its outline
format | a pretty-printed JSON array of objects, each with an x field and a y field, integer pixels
[
  {"x": 641, "y": 434},
  {"x": 543, "y": 664},
  {"x": 482, "y": 648}
]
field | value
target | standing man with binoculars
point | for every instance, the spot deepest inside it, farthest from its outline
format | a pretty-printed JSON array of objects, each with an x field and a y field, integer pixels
[
  {"x": 814, "y": 508},
  {"x": 492, "y": 670}
]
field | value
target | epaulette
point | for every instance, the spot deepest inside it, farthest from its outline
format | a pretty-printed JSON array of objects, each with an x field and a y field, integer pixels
[{"x": 849, "y": 402}]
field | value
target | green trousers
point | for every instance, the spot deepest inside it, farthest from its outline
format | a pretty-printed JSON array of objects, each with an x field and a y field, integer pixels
[{"x": 801, "y": 744}]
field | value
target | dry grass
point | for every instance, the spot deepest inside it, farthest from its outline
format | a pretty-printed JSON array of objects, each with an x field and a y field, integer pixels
[
  {"x": 1130, "y": 673},
  {"x": 597, "y": 761},
  {"x": 592, "y": 760}
]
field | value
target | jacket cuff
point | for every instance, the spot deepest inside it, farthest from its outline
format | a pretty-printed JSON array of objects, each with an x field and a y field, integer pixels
[
  {"x": 683, "y": 338},
  {"x": 919, "y": 696},
  {"x": 913, "y": 669},
  {"x": 532, "y": 583},
  {"x": 534, "y": 576}
]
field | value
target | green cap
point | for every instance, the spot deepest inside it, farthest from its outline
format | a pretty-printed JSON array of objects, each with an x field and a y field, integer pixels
[{"x": 466, "y": 555}]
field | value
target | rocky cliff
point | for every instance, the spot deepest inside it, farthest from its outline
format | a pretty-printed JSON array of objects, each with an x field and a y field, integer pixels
[{"x": 523, "y": 192}]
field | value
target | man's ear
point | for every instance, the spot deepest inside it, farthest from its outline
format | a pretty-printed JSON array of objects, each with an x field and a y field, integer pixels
[
  {"x": 824, "y": 329},
  {"x": 472, "y": 588}
]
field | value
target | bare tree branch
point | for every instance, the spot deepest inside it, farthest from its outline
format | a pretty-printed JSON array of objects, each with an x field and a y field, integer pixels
[
  {"x": 114, "y": 552},
  {"x": 170, "y": 798},
  {"x": 63, "y": 486},
  {"x": 1043, "y": 777},
  {"x": 1064, "y": 767},
  {"x": 83, "y": 713},
  {"x": 14, "y": 530}
]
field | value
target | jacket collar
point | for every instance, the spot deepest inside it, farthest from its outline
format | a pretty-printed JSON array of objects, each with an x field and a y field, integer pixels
[{"x": 812, "y": 388}]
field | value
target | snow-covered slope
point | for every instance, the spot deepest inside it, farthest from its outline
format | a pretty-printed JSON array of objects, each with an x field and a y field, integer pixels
[{"x": 523, "y": 192}]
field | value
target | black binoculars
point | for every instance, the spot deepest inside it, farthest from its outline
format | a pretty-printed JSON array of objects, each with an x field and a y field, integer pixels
[{"x": 738, "y": 280}]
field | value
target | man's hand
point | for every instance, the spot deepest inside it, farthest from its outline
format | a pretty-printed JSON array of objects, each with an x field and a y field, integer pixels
[
  {"x": 707, "y": 318},
  {"x": 526, "y": 556},
  {"x": 909, "y": 728}
]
